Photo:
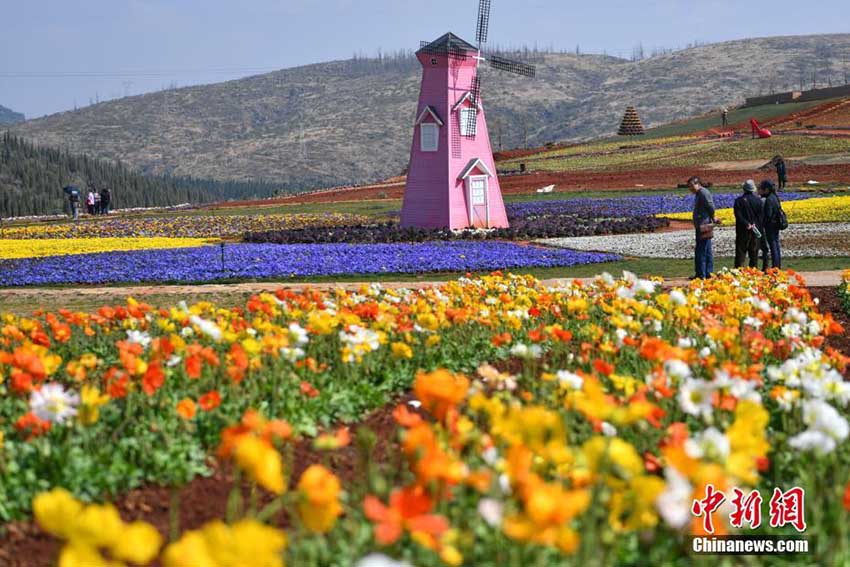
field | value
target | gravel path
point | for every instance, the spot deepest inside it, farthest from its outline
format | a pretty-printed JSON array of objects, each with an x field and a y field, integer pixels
[{"x": 800, "y": 240}]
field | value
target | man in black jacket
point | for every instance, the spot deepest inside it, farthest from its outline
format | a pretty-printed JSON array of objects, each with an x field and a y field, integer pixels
[
  {"x": 748, "y": 226},
  {"x": 771, "y": 222}
]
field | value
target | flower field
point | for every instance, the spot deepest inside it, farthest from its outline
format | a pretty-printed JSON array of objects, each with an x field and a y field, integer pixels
[
  {"x": 571, "y": 425},
  {"x": 822, "y": 209},
  {"x": 844, "y": 291},
  {"x": 181, "y": 226},
  {"x": 257, "y": 261},
  {"x": 12, "y": 249}
]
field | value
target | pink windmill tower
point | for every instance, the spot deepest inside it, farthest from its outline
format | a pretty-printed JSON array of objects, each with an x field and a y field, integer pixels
[{"x": 452, "y": 181}]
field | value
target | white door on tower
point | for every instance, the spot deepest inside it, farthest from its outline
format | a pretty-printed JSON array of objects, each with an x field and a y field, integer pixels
[{"x": 479, "y": 212}]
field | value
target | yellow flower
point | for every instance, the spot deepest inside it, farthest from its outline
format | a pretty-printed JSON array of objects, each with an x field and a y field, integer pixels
[
  {"x": 56, "y": 512},
  {"x": 77, "y": 554},
  {"x": 401, "y": 350},
  {"x": 216, "y": 544},
  {"x": 98, "y": 525},
  {"x": 139, "y": 543},
  {"x": 262, "y": 463},
  {"x": 90, "y": 400},
  {"x": 613, "y": 456},
  {"x": 318, "y": 505}
]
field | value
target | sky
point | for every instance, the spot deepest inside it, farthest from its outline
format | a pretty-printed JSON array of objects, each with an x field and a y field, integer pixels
[{"x": 58, "y": 54}]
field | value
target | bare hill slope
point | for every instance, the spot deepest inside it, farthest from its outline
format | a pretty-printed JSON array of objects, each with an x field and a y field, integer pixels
[{"x": 350, "y": 121}]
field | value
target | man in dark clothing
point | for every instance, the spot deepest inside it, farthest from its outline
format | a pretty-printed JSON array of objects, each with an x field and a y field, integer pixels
[
  {"x": 771, "y": 223},
  {"x": 748, "y": 226},
  {"x": 105, "y": 198},
  {"x": 703, "y": 214},
  {"x": 781, "y": 172}
]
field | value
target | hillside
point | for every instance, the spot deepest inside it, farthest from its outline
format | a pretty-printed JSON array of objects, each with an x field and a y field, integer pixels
[
  {"x": 31, "y": 181},
  {"x": 350, "y": 121},
  {"x": 9, "y": 116}
]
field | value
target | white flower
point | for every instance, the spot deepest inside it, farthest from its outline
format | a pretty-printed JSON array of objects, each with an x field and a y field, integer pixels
[
  {"x": 52, "y": 403},
  {"x": 298, "y": 334},
  {"x": 820, "y": 416},
  {"x": 292, "y": 354},
  {"x": 491, "y": 510},
  {"x": 187, "y": 331},
  {"x": 139, "y": 338},
  {"x": 208, "y": 328},
  {"x": 815, "y": 441},
  {"x": 704, "y": 352},
  {"x": 644, "y": 286},
  {"x": 380, "y": 560},
  {"x": 678, "y": 297},
  {"x": 504, "y": 483},
  {"x": 608, "y": 430},
  {"x": 695, "y": 398},
  {"x": 490, "y": 455},
  {"x": 415, "y": 404},
  {"x": 710, "y": 444},
  {"x": 674, "y": 504},
  {"x": 685, "y": 342},
  {"x": 753, "y": 322},
  {"x": 621, "y": 336},
  {"x": 572, "y": 380},
  {"x": 678, "y": 369},
  {"x": 521, "y": 350},
  {"x": 173, "y": 361}
]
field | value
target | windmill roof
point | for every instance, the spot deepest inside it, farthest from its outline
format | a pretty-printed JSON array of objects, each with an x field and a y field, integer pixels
[{"x": 451, "y": 42}]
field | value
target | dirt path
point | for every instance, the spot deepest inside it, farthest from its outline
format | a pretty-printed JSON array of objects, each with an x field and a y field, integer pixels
[{"x": 110, "y": 294}]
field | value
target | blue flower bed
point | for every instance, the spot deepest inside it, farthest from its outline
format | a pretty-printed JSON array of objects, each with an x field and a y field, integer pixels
[
  {"x": 628, "y": 206},
  {"x": 258, "y": 261}
]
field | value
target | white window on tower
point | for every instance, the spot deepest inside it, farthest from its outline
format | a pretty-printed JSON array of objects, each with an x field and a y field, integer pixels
[
  {"x": 466, "y": 126},
  {"x": 428, "y": 137}
]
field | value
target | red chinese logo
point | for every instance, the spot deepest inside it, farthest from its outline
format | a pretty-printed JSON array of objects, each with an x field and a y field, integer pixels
[
  {"x": 747, "y": 509},
  {"x": 707, "y": 506},
  {"x": 788, "y": 508}
]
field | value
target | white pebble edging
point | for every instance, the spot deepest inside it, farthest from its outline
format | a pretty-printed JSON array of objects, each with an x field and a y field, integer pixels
[{"x": 815, "y": 239}]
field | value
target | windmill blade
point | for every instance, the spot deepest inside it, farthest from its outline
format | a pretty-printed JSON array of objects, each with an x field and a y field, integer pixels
[
  {"x": 475, "y": 92},
  {"x": 511, "y": 66},
  {"x": 483, "y": 22}
]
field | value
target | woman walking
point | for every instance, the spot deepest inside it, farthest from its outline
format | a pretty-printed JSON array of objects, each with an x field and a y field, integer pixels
[{"x": 772, "y": 220}]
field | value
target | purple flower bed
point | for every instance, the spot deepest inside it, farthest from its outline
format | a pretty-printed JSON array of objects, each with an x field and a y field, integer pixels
[
  {"x": 629, "y": 206},
  {"x": 259, "y": 261}
]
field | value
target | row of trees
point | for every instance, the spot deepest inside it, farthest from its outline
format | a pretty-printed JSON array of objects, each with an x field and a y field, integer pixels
[{"x": 32, "y": 178}]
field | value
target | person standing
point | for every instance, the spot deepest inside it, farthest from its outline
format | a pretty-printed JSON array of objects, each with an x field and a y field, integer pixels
[
  {"x": 704, "y": 227},
  {"x": 97, "y": 203},
  {"x": 772, "y": 221},
  {"x": 73, "y": 193},
  {"x": 781, "y": 172},
  {"x": 748, "y": 226},
  {"x": 724, "y": 114},
  {"x": 90, "y": 202},
  {"x": 105, "y": 198}
]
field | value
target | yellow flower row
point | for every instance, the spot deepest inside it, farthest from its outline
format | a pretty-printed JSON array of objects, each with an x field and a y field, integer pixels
[
  {"x": 15, "y": 249},
  {"x": 826, "y": 209}
]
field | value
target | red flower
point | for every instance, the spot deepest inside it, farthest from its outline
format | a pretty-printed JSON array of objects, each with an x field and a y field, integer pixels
[
  {"x": 153, "y": 379},
  {"x": 210, "y": 400},
  {"x": 604, "y": 368},
  {"x": 847, "y": 497},
  {"x": 308, "y": 390},
  {"x": 31, "y": 425}
]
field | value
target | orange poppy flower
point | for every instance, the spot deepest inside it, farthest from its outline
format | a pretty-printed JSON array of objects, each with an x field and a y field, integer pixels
[
  {"x": 186, "y": 408},
  {"x": 409, "y": 509},
  {"x": 210, "y": 400}
]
